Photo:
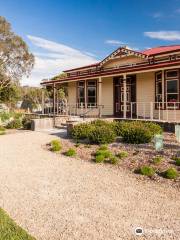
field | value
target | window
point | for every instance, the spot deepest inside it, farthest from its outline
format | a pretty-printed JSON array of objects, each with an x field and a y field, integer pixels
[
  {"x": 81, "y": 93},
  {"x": 91, "y": 93},
  {"x": 90, "y": 88},
  {"x": 158, "y": 87},
  {"x": 172, "y": 88}
]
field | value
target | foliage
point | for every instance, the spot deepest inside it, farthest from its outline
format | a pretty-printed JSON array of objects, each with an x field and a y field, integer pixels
[
  {"x": 103, "y": 147},
  {"x": 147, "y": 171},
  {"x": 10, "y": 94},
  {"x": 14, "y": 124},
  {"x": 99, "y": 158},
  {"x": 81, "y": 131},
  {"x": 71, "y": 152},
  {"x": 105, "y": 153},
  {"x": 171, "y": 173},
  {"x": 177, "y": 160},
  {"x": 16, "y": 60},
  {"x": 9, "y": 230},
  {"x": 135, "y": 133},
  {"x": 56, "y": 145},
  {"x": 158, "y": 159},
  {"x": 59, "y": 76},
  {"x": 4, "y": 116},
  {"x": 153, "y": 127},
  {"x": 102, "y": 135},
  {"x": 122, "y": 154},
  {"x": 2, "y": 130},
  {"x": 113, "y": 160},
  {"x": 26, "y": 122}
]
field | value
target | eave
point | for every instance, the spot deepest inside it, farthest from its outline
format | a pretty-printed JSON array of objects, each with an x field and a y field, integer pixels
[{"x": 121, "y": 70}]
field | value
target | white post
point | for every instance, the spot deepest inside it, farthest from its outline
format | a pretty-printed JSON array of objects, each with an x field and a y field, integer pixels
[
  {"x": 125, "y": 96},
  {"x": 151, "y": 110},
  {"x": 163, "y": 89},
  {"x": 43, "y": 102},
  {"x": 100, "y": 94}
]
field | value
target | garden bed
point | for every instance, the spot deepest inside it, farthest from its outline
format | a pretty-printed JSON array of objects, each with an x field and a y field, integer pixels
[{"x": 138, "y": 156}]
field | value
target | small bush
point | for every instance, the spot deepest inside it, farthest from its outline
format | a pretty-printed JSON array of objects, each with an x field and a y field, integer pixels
[
  {"x": 113, "y": 160},
  {"x": 71, "y": 152},
  {"x": 157, "y": 160},
  {"x": 154, "y": 128},
  {"x": 147, "y": 171},
  {"x": 105, "y": 153},
  {"x": 81, "y": 131},
  {"x": 122, "y": 154},
  {"x": 177, "y": 160},
  {"x": 2, "y": 130},
  {"x": 102, "y": 135},
  {"x": 77, "y": 145},
  {"x": 103, "y": 147},
  {"x": 136, "y": 132},
  {"x": 26, "y": 122},
  {"x": 171, "y": 173},
  {"x": 14, "y": 124},
  {"x": 55, "y": 146},
  {"x": 99, "y": 158},
  {"x": 4, "y": 116}
]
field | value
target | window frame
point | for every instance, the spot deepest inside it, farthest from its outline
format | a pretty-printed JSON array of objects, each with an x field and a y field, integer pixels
[
  {"x": 95, "y": 85},
  {"x": 172, "y": 106},
  {"x": 81, "y": 103}
]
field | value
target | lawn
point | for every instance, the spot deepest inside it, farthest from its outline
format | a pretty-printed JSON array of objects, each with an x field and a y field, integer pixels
[{"x": 9, "y": 230}]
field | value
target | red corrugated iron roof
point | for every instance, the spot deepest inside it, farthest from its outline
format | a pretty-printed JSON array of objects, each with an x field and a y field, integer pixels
[
  {"x": 148, "y": 52},
  {"x": 161, "y": 49}
]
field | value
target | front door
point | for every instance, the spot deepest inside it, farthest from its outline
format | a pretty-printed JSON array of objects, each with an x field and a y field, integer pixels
[{"x": 130, "y": 96}]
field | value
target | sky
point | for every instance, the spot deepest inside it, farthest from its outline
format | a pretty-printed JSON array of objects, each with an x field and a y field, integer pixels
[{"x": 64, "y": 34}]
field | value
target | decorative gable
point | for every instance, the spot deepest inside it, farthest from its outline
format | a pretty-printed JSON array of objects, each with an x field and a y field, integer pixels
[{"x": 123, "y": 52}]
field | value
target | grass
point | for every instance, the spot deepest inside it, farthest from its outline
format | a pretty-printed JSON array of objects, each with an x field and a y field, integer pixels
[
  {"x": 147, "y": 171},
  {"x": 171, "y": 173},
  {"x": 9, "y": 230},
  {"x": 70, "y": 152},
  {"x": 122, "y": 154},
  {"x": 157, "y": 160},
  {"x": 177, "y": 160},
  {"x": 56, "y": 145}
]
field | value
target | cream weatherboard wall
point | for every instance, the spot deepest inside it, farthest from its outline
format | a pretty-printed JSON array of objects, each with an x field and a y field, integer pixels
[{"x": 107, "y": 96}]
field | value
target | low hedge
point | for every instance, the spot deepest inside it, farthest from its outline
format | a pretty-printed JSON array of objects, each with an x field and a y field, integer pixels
[
  {"x": 14, "y": 124},
  {"x": 103, "y": 132}
]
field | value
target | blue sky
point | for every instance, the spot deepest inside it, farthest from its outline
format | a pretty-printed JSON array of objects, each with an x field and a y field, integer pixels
[{"x": 70, "y": 33}]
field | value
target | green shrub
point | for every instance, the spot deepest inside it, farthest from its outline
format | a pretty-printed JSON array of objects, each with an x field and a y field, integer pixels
[
  {"x": 136, "y": 131},
  {"x": 4, "y": 116},
  {"x": 26, "y": 122},
  {"x": 122, "y": 154},
  {"x": 158, "y": 159},
  {"x": 105, "y": 153},
  {"x": 113, "y": 160},
  {"x": 102, "y": 135},
  {"x": 71, "y": 152},
  {"x": 81, "y": 131},
  {"x": 147, "y": 171},
  {"x": 171, "y": 173},
  {"x": 77, "y": 145},
  {"x": 154, "y": 128},
  {"x": 56, "y": 145},
  {"x": 103, "y": 147},
  {"x": 99, "y": 158},
  {"x": 177, "y": 160},
  {"x": 14, "y": 124},
  {"x": 2, "y": 130}
]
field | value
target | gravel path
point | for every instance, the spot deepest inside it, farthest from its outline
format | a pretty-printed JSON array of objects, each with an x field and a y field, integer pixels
[{"x": 59, "y": 198}]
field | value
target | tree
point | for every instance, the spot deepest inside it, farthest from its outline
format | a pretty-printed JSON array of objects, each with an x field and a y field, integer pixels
[
  {"x": 10, "y": 95},
  {"x": 15, "y": 58}
]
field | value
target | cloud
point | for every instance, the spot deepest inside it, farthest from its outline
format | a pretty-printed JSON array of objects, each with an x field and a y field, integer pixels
[
  {"x": 177, "y": 10},
  {"x": 157, "y": 15},
  {"x": 52, "y": 58},
  {"x": 164, "y": 35},
  {"x": 114, "y": 42}
]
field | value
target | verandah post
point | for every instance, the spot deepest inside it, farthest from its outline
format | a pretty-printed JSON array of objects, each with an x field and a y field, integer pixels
[
  {"x": 100, "y": 95},
  {"x": 125, "y": 96}
]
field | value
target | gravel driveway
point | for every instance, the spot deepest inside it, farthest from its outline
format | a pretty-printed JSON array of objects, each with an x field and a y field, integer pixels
[{"x": 59, "y": 198}]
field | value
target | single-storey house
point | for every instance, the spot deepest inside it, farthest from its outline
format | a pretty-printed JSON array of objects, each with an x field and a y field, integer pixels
[{"x": 126, "y": 84}]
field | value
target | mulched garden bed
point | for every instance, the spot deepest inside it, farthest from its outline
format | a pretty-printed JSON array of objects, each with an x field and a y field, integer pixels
[{"x": 138, "y": 155}]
